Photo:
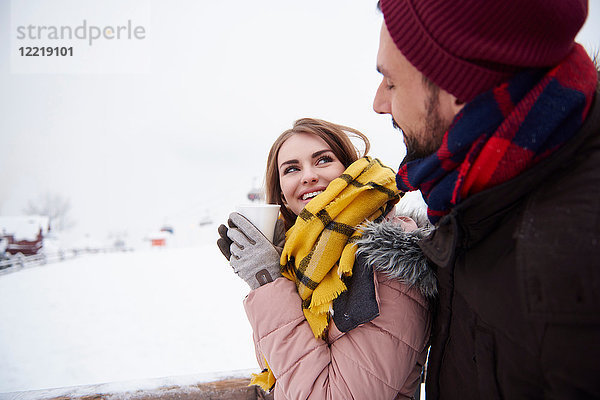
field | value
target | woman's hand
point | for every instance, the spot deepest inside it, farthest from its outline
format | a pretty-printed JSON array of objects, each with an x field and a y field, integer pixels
[{"x": 250, "y": 254}]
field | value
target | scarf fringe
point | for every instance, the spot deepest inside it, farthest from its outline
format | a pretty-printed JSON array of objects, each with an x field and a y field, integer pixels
[{"x": 265, "y": 379}]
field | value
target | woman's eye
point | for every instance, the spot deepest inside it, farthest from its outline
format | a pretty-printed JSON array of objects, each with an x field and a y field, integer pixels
[
  {"x": 290, "y": 169},
  {"x": 324, "y": 159}
]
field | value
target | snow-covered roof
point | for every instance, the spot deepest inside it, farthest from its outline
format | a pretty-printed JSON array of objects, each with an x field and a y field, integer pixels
[{"x": 24, "y": 227}]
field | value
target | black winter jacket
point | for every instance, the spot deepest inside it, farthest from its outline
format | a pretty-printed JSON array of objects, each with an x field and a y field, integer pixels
[{"x": 518, "y": 267}]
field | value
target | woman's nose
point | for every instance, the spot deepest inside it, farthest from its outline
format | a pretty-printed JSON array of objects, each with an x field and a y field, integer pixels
[{"x": 309, "y": 176}]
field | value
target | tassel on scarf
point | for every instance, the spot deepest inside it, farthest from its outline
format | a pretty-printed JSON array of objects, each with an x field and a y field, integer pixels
[{"x": 266, "y": 379}]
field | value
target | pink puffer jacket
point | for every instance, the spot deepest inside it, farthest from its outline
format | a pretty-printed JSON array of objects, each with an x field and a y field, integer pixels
[{"x": 380, "y": 359}]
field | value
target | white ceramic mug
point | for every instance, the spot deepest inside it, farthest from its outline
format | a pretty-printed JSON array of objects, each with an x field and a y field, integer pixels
[{"x": 263, "y": 216}]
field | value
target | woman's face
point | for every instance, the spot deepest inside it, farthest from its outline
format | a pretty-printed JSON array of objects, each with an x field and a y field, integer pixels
[{"x": 306, "y": 165}]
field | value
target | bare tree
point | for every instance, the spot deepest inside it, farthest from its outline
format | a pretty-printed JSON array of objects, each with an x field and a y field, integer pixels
[{"x": 53, "y": 206}]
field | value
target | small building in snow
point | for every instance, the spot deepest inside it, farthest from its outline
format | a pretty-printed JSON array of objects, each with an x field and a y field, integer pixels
[
  {"x": 24, "y": 234},
  {"x": 159, "y": 239}
]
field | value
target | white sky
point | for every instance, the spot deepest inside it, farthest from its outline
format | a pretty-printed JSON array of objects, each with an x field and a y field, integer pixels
[{"x": 187, "y": 129}]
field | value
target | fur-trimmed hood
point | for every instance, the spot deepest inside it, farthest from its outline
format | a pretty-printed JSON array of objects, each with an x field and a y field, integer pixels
[{"x": 390, "y": 250}]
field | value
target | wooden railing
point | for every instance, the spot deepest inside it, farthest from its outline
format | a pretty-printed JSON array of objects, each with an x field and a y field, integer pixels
[
  {"x": 223, "y": 389},
  {"x": 19, "y": 261}
]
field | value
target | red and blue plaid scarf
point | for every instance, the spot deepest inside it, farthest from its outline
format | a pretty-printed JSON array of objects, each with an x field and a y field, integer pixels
[{"x": 503, "y": 132}]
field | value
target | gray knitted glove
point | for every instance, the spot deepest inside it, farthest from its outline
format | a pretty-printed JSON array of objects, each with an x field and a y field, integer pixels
[{"x": 253, "y": 257}]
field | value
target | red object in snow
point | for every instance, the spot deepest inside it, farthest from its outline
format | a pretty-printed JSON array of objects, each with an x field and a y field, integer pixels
[
  {"x": 24, "y": 234},
  {"x": 158, "y": 242},
  {"x": 25, "y": 247}
]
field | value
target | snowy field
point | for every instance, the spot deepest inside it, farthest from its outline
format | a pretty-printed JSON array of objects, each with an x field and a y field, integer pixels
[{"x": 122, "y": 316}]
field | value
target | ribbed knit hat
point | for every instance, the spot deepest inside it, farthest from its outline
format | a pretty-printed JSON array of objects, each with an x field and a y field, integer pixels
[{"x": 469, "y": 46}]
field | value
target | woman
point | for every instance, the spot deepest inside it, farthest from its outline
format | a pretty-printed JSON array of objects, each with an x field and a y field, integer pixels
[{"x": 325, "y": 325}]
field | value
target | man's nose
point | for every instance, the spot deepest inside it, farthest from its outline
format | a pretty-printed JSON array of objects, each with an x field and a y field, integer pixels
[{"x": 380, "y": 102}]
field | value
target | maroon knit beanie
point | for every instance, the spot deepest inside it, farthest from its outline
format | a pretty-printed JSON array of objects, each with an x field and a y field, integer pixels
[{"x": 469, "y": 46}]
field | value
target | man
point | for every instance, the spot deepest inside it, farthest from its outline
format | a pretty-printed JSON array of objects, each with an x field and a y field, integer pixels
[{"x": 498, "y": 109}]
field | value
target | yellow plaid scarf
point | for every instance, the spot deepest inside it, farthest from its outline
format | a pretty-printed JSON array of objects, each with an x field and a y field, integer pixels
[{"x": 319, "y": 248}]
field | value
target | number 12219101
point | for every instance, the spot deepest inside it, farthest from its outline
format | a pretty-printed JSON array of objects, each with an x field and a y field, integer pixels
[{"x": 46, "y": 51}]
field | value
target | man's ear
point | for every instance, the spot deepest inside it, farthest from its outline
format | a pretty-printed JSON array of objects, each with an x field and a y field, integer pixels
[
  {"x": 449, "y": 104},
  {"x": 457, "y": 105}
]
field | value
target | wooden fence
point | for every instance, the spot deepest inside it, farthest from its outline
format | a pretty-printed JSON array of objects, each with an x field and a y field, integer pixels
[{"x": 224, "y": 389}]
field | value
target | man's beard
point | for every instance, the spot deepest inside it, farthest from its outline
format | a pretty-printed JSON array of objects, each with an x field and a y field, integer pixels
[{"x": 430, "y": 140}]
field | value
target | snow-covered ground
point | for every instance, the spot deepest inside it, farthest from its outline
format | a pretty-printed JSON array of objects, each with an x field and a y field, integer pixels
[{"x": 122, "y": 316}]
